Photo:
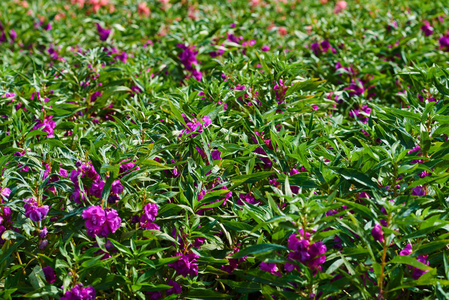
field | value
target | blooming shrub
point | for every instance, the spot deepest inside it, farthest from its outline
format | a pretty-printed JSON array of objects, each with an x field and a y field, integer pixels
[{"x": 224, "y": 149}]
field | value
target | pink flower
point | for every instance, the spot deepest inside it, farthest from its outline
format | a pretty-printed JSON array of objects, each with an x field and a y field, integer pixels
[
  {"x": 34, "y": 212},
  {"x": 340, "y": 6},
  {"x": 407, "y": 250},
  {"x": 142, "y": 9},
  {"x": 377, "y": 233},
  {"x": 270, "y": 267},
  {"x": 46, "y": 125},
  {"x": 95, "y": 218}
]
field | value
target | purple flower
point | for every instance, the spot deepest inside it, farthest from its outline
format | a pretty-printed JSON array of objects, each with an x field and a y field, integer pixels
[
  {"x": 325, "y": 46},
  {"x": 356, "y": 88},
  {"x": 101, "y": 222},
  {"x": 265, "y": 48},
  {"x": 417, "y": 272},
  {"x": 151, "y": 211},
  {"x": 95, "y": 217},
  {"x": 377, "y": 233},
  {"x": 197, "y": 74},
  {"x": 34, "y": 212},
  {"x": 95, "y": 96},
  {"x": 117, "y": 187},
  {"x": 49, "y": 274},
  {"x": 97, "y": 188},
  {"x": 311, "y": 255},
  {"x": 46, "y": 125},
  {"x": 418, "y": 191},
  {"x": 12, "y": 35},
  {"x": 126, "y": 168},
  {"x": 248, "y": 198},
  {"x": 63, "y": 172},
  {"x": 5, "y": 192},
  {"x": 415, "y": 149},
  {"x": 444, "y": 43},
  {"x": 154, "y": 295},
  {"x": 80, "y": 293},
  {"x": 206, "y": 121},
  {"x": 43, "y": 233},
  {"x": 103, "y": 32},
  {"x": 270, "y": 267},
  {"x": 176, "y": 288},
  {"x": 315, "y": 47},
  {"x": 407, "y": 250},
  {"x": 188, "y": 57},
  {"x": 112, "y": 222},
  {"x": 186, "y": 264},
  {"x": 3, "y": 37},
  {"x": 427, "y": 29}
]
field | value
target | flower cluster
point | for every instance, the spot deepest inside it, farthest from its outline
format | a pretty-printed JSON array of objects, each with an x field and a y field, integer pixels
[
  {"x": 34, "y": 211},
  {"x": 196, "y": 126},
  {"x": 186, "y": 264},
  {"x": 324, "y": 46},
  {"x": 85, "y": 170},
  {"x": 101, "y": 221},
  {"x": 188, "y": 59},
  {"x": 150, "y": 213},
  {"x": 103, "y": 32},
  {"x": 421, "y": 258},
  {"x": 361, "y": 113},
  {"x": 311, "y": 255},
  {"x": 233, "y": 263},
  {"x": 78, "y": 292},
  {"x": 47, "y": 125}
]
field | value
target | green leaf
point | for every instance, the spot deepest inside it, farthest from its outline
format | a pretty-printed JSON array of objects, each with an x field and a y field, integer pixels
[{"x": 258, "y": 250}]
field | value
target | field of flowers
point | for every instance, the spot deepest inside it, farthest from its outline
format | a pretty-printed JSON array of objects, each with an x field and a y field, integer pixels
[{"x": 261, "y": 149}]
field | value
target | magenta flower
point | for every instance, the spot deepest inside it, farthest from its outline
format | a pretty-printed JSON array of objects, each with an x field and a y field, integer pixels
[
  {"x": 80, "y": 293},
  {"x": 34, "y": 212},
  {"x": 270, "y": 267},
  {"x": 356, "y": 88},
  {"x": 248, "y": 198},
  {"x": 150, "y": 213},
  {"x": 188, "y": 56},
  {"x": 426, "y": 28},
  {"x": 97, "y": 188},
  {"x": 361, "y": 113},
  {"x": 196, "y": 126},
  {"x": 95, "y": 218},
  {"x": 112, "y": 222},
  {"x": 49, "y": 273},
  {"x": 377, "y": 233},
  {"x": 188, "y": 59},
  {"x": 46, "y": 125},
  {"x": 117, "y": 187},
  {"x": 186, "y": 265},
  {"x": 12, "y": 35},
  {"x": 407, "y": 250},
  {"x": 444, "y": 43},
  {"x": 126, "y": 168},
  {"x": 311, "y": 255},
  {"x": 418, "y": 191},
  {"x": 103, "y": 32},
  {"x": 417, "y": 272},
  {"x": 176, "y": 288},
  {"x": 5, "y": 192},
  {"x": 101, "y": 222}
]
